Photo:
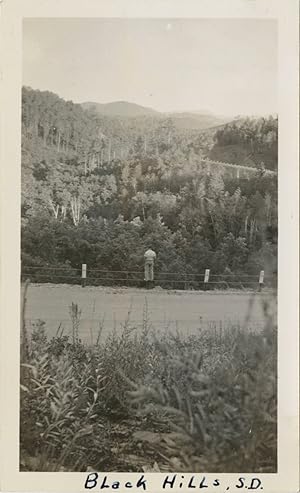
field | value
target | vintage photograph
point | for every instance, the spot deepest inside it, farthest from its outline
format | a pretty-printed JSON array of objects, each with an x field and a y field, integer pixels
[{"x": 149, "y": 232}]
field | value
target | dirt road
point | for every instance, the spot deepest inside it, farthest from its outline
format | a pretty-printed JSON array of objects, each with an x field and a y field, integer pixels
[{"x": 112, "y": 307}]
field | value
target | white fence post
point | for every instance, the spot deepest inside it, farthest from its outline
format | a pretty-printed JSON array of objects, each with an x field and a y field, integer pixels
[
  {"x": 261, "y": 279},
  {"x": 83, "y": 275},
  {"x": 206, "y": 277}
]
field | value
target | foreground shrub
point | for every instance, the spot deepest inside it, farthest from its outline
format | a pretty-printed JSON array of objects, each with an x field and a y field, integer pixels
[
  {"x": 219, "y": 394},
  {"x": 211, "y": 396}
]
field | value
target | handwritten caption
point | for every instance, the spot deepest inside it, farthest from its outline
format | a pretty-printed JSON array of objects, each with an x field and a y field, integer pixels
[{"x": 172, "y": 481}]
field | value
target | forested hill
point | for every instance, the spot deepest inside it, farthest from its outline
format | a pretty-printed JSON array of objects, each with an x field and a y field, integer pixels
[
  {"x": 98, "y": 188},
  {"x": 248, "y": 142},
  {"x": 97, "y": 133}
]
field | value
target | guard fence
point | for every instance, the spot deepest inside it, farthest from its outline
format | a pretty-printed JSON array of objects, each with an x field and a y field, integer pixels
[{"x": 207, "y": 280}]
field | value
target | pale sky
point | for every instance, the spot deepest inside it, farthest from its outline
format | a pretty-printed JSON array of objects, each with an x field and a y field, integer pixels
[{"x": 226, "y": 66}]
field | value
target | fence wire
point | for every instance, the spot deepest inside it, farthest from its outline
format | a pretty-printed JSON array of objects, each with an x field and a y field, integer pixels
[{"x": 166, "y": 280}]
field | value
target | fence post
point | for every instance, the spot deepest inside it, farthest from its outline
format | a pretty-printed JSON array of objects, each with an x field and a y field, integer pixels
[
  {"x": 206, "y": 277},
  {"x": 261, "y": 279},
  {"x": 185, "y": 282},
  {"x": 83, "y": 275}
]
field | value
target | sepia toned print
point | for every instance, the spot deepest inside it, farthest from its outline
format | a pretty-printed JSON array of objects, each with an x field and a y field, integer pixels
[{"x": 149, "y": 245}]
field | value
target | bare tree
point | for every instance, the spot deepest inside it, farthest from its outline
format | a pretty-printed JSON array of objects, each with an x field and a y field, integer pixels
[
  {"x": 54, "y": 208},
  {"x": 64, "y": 211},
  {"x": 75, "y": 203}
]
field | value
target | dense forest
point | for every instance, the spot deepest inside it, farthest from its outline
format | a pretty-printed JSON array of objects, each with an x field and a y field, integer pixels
[{"x": 99, "y": 189}]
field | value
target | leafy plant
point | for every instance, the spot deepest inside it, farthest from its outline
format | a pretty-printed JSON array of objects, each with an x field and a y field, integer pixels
[{"x": 205, "y": 402}]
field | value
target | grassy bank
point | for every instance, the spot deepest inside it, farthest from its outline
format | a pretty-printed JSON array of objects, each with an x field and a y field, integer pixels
[{"x": 136, "y": 402}]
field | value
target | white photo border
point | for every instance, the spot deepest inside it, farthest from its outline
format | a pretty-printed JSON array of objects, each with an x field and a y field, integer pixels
[{"x": 12, "y": 14}]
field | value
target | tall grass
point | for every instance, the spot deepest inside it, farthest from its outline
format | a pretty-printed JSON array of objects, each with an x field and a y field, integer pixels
[{"x": 210, "y": 398}]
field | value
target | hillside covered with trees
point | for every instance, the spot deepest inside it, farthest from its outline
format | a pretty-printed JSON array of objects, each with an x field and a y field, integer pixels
[{"x": 99, "y": 189}]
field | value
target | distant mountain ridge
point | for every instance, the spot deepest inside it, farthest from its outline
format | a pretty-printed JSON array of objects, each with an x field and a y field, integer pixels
[
  {"x": 182, "y": 120},
  {"x": 197, "y": 121},
  {"x": 120, "y": 108}
]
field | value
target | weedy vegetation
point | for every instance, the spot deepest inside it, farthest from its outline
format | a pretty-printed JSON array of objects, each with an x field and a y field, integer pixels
[{"x": 142, "y": 401}]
